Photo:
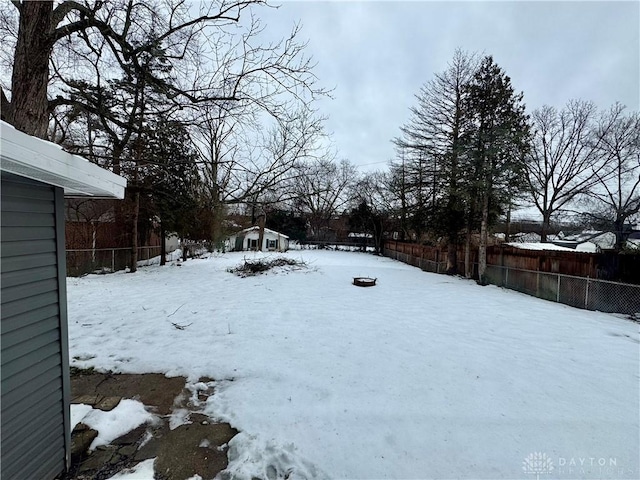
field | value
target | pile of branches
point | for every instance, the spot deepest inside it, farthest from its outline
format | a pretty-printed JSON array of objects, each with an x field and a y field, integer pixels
[{"x": 250, "y": 268}]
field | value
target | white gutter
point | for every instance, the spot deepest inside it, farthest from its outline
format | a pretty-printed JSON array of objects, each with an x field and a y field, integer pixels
[{"x": 37, "y": 159}]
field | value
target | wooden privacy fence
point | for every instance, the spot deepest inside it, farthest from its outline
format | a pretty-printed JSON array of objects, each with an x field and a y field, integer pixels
[{"x": 571, "y": 278}]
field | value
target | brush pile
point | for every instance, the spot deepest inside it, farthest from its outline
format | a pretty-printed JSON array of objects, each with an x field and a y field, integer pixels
[{"x": 250, "y": 268}]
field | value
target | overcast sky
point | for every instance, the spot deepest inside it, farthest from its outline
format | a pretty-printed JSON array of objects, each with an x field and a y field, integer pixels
[{"x": 377, "y": 55}]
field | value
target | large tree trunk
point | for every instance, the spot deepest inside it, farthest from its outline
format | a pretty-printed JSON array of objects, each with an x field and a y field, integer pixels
[
  {"x": 546, "y": 226},
  {"x": 484, "y": 234},
  {"x": 507, "y": 230},
  {"x": 378, "y": 241},
  {"x": 261, "y": 231},
  {"x": 29, "y": 103},
  {"x": 452, "y": 257},
  {"x": 468, "y": 272},
  {"x": 163, "y": 245},
  {"x": 452, "y": 234},
  {"x": 217, "y": 219},
  {"x": 134, "y": 232},
  {"x": 619, "y": 232}
]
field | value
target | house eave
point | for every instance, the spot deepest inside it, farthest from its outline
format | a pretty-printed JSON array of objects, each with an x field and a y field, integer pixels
[
  {"x": 37, "y": 159},
  {"x": 255, "y": 228}
]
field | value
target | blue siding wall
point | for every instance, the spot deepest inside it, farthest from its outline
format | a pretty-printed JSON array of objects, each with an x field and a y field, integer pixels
[{"x": 33, "y": 348}]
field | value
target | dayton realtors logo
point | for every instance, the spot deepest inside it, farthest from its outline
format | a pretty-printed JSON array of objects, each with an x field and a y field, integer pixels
[{"x": 537, "y": 464}]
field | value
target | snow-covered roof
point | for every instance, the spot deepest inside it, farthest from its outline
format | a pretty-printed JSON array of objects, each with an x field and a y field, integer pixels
[
  {"x": 267, "y": 230},
  {"x": 604, "y": 240},
  {"x": 539, "y": 246},
  {"x": 37, "y": 159},
  {"x": 359, "y": 235},
  {"x": 588, "y": 247}
]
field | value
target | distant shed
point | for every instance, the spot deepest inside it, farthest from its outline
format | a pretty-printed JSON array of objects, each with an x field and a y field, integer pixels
[
  {"x": 248, "y": 238},
  {"x": 36, "y": 176}
]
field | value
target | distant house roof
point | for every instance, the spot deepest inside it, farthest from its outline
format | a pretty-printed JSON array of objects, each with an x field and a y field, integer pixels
[
  {"x": 47, "y": 162},
  {"x": 603, "y": 240},
  {"x": 539, "y": 246},
  {"x": 254, "y": 228}
]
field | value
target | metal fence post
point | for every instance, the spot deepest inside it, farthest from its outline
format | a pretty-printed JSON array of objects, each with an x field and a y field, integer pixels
[
  {"x": 558, "y": 293},
  {"x": 586, "y": 294},
  {"x": 113, "y": 260}
]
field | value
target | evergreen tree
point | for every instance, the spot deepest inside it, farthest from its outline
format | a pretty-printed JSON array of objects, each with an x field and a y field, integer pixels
[
  {"x": 495, "y": 144},
  {"x": 171, "y": 180},
  {"x": 430, "y": 173}
]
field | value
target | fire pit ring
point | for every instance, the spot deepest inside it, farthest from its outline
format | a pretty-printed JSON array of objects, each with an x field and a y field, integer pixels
[{"x": 364, "y": 281}]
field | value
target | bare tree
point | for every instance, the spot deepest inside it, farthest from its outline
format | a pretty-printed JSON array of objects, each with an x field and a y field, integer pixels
[
  {"x": 244, "y": 161},
  {"x": 374, "y": 205},
  {"x": 208, "y": 56},
  {"x": 565, "y": 160},
  {"x": 320, "y": 190},
  {"x": 221, "y": 136},
  {"x": 99, "y": 63},
  {"x": 615, "y": 199}
]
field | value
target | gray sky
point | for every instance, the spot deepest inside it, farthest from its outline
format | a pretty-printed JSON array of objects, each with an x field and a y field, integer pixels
[{"x": 376, "y": 55}]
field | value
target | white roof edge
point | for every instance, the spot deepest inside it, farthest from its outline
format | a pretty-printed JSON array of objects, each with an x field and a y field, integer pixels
[
  {"x": 38, "y": 159},
  {"x": 255, "y": 227}
]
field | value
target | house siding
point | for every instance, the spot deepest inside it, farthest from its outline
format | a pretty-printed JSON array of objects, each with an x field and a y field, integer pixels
[
  {"x": 242, "y": 241},
  {"x": 35, "y": 384}
]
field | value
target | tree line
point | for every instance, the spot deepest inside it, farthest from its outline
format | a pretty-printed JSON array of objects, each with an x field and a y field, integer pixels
[
  {"x": 189, "y": 102},
  {"x": 206, "y": 118},
  {"x": 469, "y": 154}
]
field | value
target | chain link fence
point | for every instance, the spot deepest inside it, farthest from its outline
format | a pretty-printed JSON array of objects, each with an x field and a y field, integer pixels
[
  {"x": 104, "y": 260},
  {"x": 581, "y": 292}
]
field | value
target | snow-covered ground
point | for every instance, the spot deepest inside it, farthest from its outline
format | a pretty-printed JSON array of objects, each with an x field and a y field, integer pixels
[{"x": 421, "y": 376}]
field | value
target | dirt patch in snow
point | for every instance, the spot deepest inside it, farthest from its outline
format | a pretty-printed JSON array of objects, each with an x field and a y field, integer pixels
[
  {"x": 184, "y": 442},
  {"x": 152, "y": 389}
]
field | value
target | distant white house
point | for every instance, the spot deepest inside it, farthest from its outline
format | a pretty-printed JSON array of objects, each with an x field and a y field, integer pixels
[
  {"x": 587, "y": 241},
  {"x": 171, "y": 242},
  {"x": 247, "y": 239},
  {"x": 633, "y": 241}
]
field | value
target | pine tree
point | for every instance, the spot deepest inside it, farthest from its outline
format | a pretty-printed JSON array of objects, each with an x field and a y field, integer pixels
[
  {"x": 495, "y": 145},
  {"x": 172, "y": 182},
  {"x": 431, "y": 150}
]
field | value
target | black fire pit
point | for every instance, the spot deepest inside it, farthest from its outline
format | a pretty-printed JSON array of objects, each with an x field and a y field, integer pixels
[{"x": 364, "y": 281}]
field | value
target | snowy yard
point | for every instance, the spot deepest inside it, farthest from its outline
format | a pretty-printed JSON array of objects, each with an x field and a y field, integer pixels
[{"x": 421, "y": 376}]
